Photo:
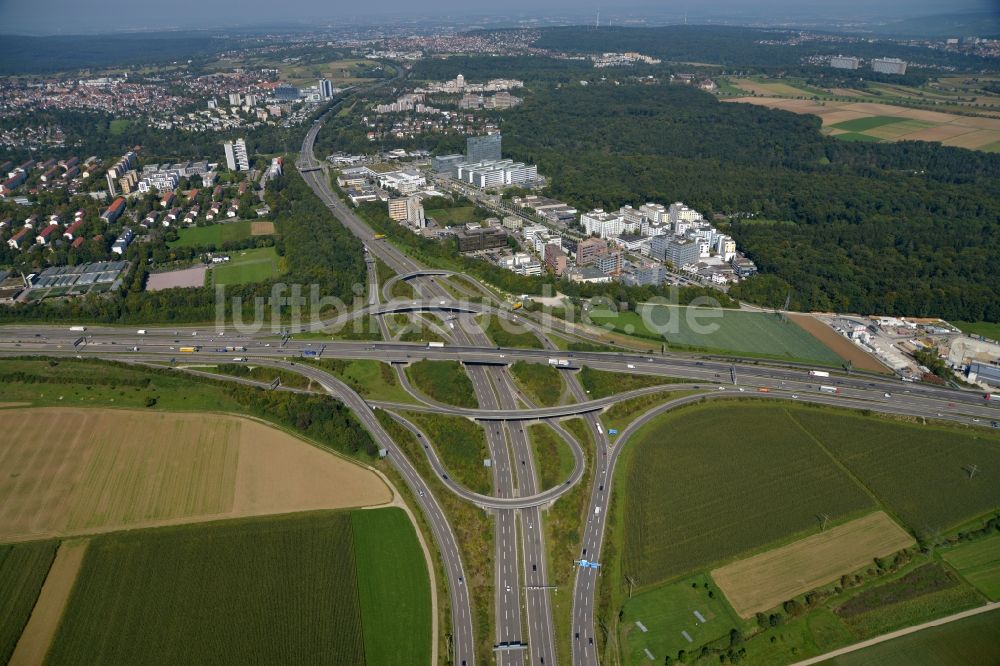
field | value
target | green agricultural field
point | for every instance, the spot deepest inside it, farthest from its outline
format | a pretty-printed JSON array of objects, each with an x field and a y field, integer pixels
[
  {"x": 736, "y": 477},
  {"x": 871, "y": 122},
  {"x": 971, "y": 640},
  {"x": 392, "y": 576},
  {"x": 552, "y": 456},
  {"x": 23, "y": 568},
  {"x": 600, "y": 384},
  {"x": 278, "y": 590},
  {"x": 372, "y": 380},
  {"x": 727, "y": 331},
  {"x": 247, "y": 266},
  {"x": 668, "y": 611},
  {"x": 541, "y": 383},
  {"x": 444, "y": 381},
  {"x": 918, "y": 472},
  {"x": 461, "y": 445},
  {"x": 213, "y": 234},
  {"x": 509, "y": 334},
  {"x": 979, "y": 563}
]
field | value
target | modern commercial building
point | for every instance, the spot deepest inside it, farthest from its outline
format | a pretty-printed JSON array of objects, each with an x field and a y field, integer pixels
[
  {"x": 675, "y": 250},
  {"x": 325, "y": 89},
  {"x": 286, "y": 93},
  {"x": 496, "y": 173},
  {"x": 236, "y": 155},
  {"x": 555, "y": 258},
  {"x": 725, "y": 247},
  {"x": 446, "y": 163},
  {"x": 605, "y": 225},
  {"x": 649, "y": 275},
  {"x": 484, "y": 238},
  {"x": 483, "y": 148},
  {"x": 407, "y": 209},
  {"x": 610, "y": 263},
  {"x": 587, "y": 251},
  {"x": 844, "y": 62},
  {"x": 889, "y": 66}
]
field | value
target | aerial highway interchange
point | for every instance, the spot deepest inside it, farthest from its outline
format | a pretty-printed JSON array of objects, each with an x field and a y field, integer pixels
[{"x": 523, "y": 629}]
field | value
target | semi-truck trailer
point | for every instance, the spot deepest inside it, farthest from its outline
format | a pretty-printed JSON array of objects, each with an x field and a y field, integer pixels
[
  {"x": 189, "y": 350},
  {"x": 435, "y": 344},
  {"x": 78, "y": 329},
  {"x": 819, "y": 373},
  {"x": 829, "y": 389}
]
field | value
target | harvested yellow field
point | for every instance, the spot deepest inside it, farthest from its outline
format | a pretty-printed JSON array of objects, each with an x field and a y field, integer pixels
[
  {"x": 71, "y": 471},
  {"x": 262, "y": 228},
  {"x": 893, "y": 123},
  {"x": 763, "y": 581}
]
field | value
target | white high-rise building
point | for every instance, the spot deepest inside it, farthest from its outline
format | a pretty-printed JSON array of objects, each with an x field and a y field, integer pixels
[
  {"x": 844, "y": 62},
  {"x": 889, "y": 66},
  {"x": 459, "y": 81},
  {"x": 236, "y": 155},
  {"x": 234, "y": 99},
  {"x": 325, "y": 89},
  {"x": 681, "y": 217},
  {"x": 605, "y": 225}
]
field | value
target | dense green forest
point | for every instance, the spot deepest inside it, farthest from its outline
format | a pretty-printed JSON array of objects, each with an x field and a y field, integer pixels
[
  {"x": 906, "y": 228},
  {"x": 21, "y": 54},
  {"x": 737, "y": 47}
]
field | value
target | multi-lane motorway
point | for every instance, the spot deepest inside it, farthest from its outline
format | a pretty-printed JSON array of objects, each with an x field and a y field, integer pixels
[{"x": 523, "y": 628}]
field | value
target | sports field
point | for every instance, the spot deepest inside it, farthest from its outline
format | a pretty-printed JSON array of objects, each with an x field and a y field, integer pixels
[
  {"x": 78, "y": 471},
  {"x": 721, "y": 330},
  {"x": 760, "y": 582},
  {"x": 971, "y": 640},
  {"x": 216, "y": 234},
  {"x": 871, "y": 121},
  {"x": 247, "y": 266},
  {"x": 979, "y": 563},
  {"x": 667, "y": 618},
  {"x": 290, "y": 589},
  {"x": 735, "y": 478}
]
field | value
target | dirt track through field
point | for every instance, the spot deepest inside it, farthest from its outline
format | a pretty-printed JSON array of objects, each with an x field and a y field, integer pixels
[
  {"x": 72, "y": 471},
  {"x": 840, "y": 345},
  {"x": 760, "y": 582},
  {"x": 41, "y": 628}
]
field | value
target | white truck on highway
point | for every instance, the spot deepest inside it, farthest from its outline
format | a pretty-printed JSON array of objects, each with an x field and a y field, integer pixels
[
  {"x": 560, "y": 362},
  {"x": 141, "y": 331},
  {"x": 78, "y": 329},
  {"x": 435, "y": 344},
  {"x": 819, "y": 373},
  {"x": 829, "y": 389}
]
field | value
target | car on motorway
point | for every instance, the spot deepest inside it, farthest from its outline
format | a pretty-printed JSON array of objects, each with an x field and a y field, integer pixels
[{"x": 888, "y": 395}]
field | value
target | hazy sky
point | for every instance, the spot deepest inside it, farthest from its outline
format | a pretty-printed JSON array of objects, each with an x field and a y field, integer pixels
[{"x": 76, "y": 16}]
